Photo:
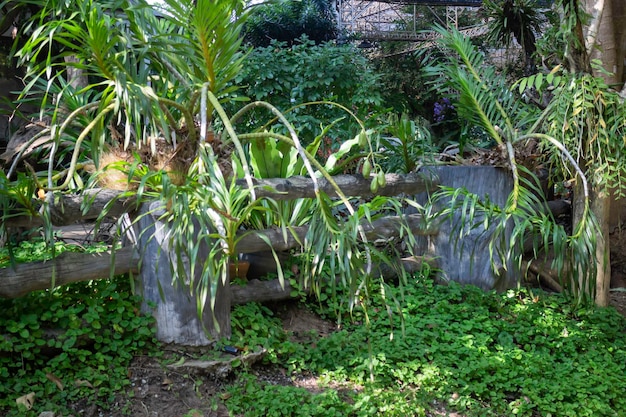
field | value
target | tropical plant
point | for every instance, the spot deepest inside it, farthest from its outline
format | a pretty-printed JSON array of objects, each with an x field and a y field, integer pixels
[
  {"x": 286, "y": 21},
  {"x": 595, "y": 117},
  {"x": 519, "y": 19},
  {"x": 271, "y": 158},
  {"x": 162, "y": 83},
  {"x": 410, "y": 142},
  {"x": 484, "y": 100}
]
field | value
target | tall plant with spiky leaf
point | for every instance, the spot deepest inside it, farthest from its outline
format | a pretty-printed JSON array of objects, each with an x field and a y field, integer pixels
[
  {"x": 519, "y": 19},
  {"x": 483, "y": 99},
  {"x": 165, "y": 79}
]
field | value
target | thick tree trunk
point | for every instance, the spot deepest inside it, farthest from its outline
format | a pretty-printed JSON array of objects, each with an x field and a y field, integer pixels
[
  {"x": 606, "y": 38},
  {"x": 601, "y": 206}
]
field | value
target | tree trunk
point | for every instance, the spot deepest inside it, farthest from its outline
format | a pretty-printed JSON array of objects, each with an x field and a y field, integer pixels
[
  {"x": 601, "y": 206},
  {"x": 76, "y": 77},
  {"x": 606, "y": 38}
]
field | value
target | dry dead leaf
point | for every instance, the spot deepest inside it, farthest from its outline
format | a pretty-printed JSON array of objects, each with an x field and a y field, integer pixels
[
  {"x": 82, "y": 383},
  {"x": 56, "y": 380},
  {"x": 26, "y": 400}
]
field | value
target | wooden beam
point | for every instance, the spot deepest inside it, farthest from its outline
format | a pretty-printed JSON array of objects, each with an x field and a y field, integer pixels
[
  {"x": 271, "y": 290},
  {"x": 64, "y": 269},
  {"x": 74, "y": 267},
  {"x": 351, "y": 185},
  {"x": 70, "y": 208},
  {"x": 384, "y": 228}
]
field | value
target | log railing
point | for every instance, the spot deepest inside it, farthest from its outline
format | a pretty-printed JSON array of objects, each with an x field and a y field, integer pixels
[{"x": 20, "y": 279}]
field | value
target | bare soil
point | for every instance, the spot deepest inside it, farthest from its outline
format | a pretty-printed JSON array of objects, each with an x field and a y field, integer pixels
[{"x": 158, "y": 391}]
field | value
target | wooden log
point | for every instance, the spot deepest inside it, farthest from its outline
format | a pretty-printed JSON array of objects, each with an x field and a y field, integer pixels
[
  {"x": 383, "y": 228},
  {"x": 70, "y": 209},
  {"x": 74, "y": 267},
  {"x": 271, "y": 290},
  {"x": 545, "y": 274},
  {"x": 64, "y": 269},
  {"x": 351, "y": 185},
  {"x": 260, "y": 291}
]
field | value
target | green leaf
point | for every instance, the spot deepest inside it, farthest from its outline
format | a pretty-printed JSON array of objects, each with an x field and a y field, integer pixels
[{"x": 522, "y": 85}]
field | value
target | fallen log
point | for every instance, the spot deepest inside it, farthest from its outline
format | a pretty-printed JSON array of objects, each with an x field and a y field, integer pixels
[
  {"x": 384, "y": 228},
  {"x": 271, "y": 290},
  {"x": 260, "y": 291},
  {"x": 74, "y": 267},
  {"x": 64, "y": 269},
  {"x": 72, "y": 208},
  {"x": 220, "y": 367},
  {"x": 545, "y": 275}
]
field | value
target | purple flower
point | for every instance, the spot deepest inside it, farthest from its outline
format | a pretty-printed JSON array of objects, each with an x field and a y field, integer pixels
[{"x": 441, "y": 109}]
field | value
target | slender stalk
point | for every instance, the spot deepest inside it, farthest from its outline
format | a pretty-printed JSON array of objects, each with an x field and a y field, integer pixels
[
  {"x": 292, "y": 132},
  {"x": 77, "y": 146},
  {"x": 233, "y": 135}
]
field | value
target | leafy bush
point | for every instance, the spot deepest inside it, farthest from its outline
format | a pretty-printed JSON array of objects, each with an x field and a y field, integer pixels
[
  {"x": 288, "y": 20},
  {"x": 305, "y": 72}
]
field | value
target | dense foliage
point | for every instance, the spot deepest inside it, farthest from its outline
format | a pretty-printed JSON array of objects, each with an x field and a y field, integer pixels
[
  {"x": 481, "y": 354},
  {"x": 289, "y": 76},
  {"x": 287, "y": 21},
  {"x": 70, "y": 343}
]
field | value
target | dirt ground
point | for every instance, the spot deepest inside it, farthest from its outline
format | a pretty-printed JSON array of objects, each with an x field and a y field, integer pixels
[{"x": 162, "y": 392}]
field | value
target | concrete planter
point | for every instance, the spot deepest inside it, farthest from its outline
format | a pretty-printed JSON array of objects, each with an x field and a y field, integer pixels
[{"x": 173, "y": 307}]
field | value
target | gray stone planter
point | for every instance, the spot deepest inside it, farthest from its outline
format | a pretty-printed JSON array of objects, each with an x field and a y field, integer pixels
[{"x": 174, "y": 309}]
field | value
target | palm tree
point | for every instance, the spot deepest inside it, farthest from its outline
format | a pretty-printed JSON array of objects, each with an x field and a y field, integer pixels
[{"x": 518, "y": 19}]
